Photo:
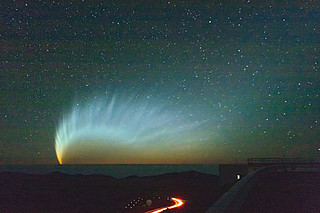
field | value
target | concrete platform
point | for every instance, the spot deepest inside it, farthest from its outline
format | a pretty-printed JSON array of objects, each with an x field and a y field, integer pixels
[{"x": 274, "y": 189}]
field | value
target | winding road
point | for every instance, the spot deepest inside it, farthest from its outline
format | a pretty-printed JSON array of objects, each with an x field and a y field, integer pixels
[{"x": 177, "y": 203}]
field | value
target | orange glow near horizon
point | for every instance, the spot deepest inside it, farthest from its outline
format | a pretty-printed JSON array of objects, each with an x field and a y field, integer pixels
[
  {"x": 59, "y": 159},
  {"x": 177, "y": 203}
]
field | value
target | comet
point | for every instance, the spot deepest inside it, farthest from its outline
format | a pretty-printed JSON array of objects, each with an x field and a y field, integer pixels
[{"x": 121, "y": 129}]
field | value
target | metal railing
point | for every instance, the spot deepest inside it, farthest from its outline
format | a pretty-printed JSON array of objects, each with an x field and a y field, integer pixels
[{"x": 280, "y": 160}]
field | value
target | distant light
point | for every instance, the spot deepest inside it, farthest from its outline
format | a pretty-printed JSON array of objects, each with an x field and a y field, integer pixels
[{"x": 238, "y": 177}]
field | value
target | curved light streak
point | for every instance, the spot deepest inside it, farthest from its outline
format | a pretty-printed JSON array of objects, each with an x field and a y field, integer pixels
[{"x": 178, "y": 203}]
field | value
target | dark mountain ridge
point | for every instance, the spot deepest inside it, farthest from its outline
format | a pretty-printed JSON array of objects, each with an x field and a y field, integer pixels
[{"x": 60, "y": 192}]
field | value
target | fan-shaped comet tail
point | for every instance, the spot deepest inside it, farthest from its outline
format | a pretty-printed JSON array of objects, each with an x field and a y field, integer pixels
[{"x": 136, "y": 128}]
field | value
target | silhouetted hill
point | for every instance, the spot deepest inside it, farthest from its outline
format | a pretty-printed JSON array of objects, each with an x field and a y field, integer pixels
[
  {"x": 184, "y": 175},
  {"x": 60, "y": 192}
]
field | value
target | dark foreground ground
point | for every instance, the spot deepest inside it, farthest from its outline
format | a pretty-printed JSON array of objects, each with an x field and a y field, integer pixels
[
  {"x": 292, "y": 191},
  {"x": 59, "y": 192}
]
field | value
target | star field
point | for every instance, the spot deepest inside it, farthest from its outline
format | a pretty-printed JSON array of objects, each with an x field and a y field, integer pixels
[{"x": 251, "y": 68}]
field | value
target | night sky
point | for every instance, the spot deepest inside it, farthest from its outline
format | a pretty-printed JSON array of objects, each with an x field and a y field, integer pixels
[{"x": 250, "y": 68}]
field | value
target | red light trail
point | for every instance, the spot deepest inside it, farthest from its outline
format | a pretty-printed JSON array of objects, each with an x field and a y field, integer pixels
[{"x": 177, "y": 203}]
